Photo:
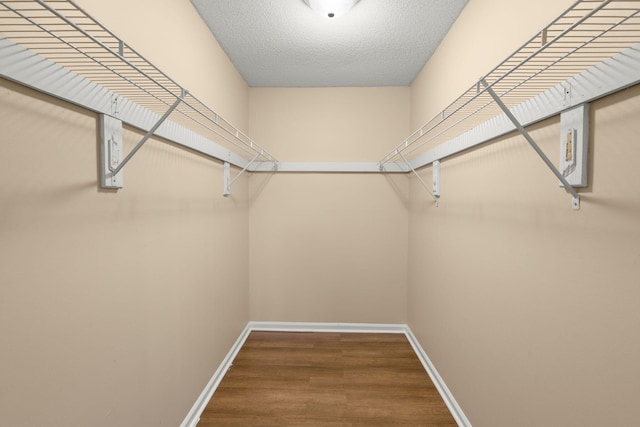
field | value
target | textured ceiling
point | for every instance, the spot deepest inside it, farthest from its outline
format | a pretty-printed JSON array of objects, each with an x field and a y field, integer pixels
[{"x": 283, "y": 43}]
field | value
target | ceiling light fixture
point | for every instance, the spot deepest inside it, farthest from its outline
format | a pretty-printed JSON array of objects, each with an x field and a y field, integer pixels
[{"x": 331, "y": 8}]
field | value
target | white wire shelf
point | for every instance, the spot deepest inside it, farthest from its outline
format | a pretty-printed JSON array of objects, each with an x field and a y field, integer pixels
[
  {"x": 58, "y": 34},
  {"x": 587, "y": 34},
  {"x": 63, "y": 33}
]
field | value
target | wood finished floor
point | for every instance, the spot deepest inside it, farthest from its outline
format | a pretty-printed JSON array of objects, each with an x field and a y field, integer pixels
[{"x": 326, "y": 379}]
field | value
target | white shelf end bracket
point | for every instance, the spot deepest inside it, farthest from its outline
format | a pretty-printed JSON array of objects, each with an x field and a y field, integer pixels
[
  {"x": 436, "y": 178},
  {"x": 111, "y": 148},
  {"x": 574, "y": 145},
  {"x": 226, "y": 179},
  {"x": 575, "y": 202}
]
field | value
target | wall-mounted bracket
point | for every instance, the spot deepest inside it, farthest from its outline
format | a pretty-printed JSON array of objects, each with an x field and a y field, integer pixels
[
  {"x": 575, "y": 203},
  {"x": 110, "y": 152},
  {"x": 226, "y": 179},
  {"x": 436, "y": 178},
  {"x": 115, "y": 171},
  {"x": 574, "y": 144},
  {"x": 227, "y": 182},
  {"x": 436, "y": 197}
]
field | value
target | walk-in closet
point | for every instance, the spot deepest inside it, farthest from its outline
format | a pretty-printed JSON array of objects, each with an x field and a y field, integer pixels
[{"x": 172, "y": 189}]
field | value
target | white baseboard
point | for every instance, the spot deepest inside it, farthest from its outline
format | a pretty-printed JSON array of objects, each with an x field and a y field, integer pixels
[
  {"x": 194, "y": 414},
  {"x": 437, "y": 380},
  {"x": 192, "y": 418},
  {"x": 327, "y": 327}
]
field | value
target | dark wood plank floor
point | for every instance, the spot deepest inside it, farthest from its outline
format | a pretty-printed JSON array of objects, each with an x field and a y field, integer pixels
[{"x": 326, "y": 379}]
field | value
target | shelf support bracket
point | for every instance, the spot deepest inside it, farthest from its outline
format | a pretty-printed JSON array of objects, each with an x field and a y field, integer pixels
[
  {"x": 110, "y": 151},
  {"x": 575, "y": 202},
  {"x": 436, "y": 197},
  {"x": 436, "y": 178},
  {"x": 227, "y": 172},
  {"x": 149, "y": 134}
]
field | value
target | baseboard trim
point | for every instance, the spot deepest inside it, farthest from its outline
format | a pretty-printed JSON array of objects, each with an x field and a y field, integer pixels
[
  {"x": 445, "y": 393},
  {"x": 192, "y": 418},
  {"x": 327, "y": 327},
  {"x": 194, "y": 414}
]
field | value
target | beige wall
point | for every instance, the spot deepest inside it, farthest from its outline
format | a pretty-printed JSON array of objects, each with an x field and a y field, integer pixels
[
  {"x": 329, "y": 247},
  {"x": 529, "y": 309},
  {"x": 117, "y": 307}
]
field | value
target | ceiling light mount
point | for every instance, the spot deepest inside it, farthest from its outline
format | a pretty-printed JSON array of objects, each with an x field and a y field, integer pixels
[{"x": 331, "y": 8}]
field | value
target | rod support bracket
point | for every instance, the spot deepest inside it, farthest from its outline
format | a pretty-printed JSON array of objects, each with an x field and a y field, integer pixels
[{"x": 226, "y": 179}]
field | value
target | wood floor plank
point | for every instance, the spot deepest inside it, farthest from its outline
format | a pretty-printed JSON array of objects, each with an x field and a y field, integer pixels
[{"x": 326, "y": 379}]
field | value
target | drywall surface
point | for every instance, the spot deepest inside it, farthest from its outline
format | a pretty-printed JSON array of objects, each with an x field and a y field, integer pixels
[
  {"x": 329, "y": 247},
  {"x": 528, "y": 309},
  {"x": 115, "y": 307}
]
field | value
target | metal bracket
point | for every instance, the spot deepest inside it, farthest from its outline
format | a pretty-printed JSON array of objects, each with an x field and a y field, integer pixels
[
  {"x": 436, "y": 178},
  {"x": 149, "y": 133},
  {"x": 575, "y": 203},
  {"x": 227, "y": 174},
  {"x": 226, "y": 179},
  {"x": 436, "y": 197},
  {"x": 111, "y": 152},
  {"x": 574, "y": 145}
]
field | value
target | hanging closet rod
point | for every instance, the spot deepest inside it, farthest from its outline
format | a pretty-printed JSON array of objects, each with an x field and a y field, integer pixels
[
  {"x": 62, "y": 32},
  {"x": 587, "y": 34}
]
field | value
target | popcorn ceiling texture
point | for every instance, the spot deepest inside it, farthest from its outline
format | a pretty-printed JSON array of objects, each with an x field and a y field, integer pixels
[{"x": 285, "y": 44}]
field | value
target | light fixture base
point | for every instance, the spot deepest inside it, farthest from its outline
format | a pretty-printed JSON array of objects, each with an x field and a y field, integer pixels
[{"x": 331, "y": 8}]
